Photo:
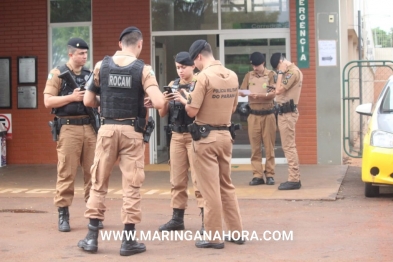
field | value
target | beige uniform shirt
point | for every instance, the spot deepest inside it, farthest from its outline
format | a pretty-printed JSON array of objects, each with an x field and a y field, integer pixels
[
  {"x": 215, "y": 94},
  {"x": 257, "y": 83},
  {"x": 292, "y": 81}
]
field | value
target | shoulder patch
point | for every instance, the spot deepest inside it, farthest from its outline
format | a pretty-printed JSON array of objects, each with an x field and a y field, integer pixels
[
  {"x": 189, "y": 99},
  {"x": 192, "y": 86},
  {"x": 151, "y": 72},
  {"x": 288, "y": 75},
  {"x": 285, "y": 82},
  {"x": 50, "y": 76}
]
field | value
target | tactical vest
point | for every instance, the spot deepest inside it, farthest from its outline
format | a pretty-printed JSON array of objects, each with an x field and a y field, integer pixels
[
  {"x": 122, "y": 91},
  {"x": 73, "y": 108},
  {"x": 177, "y": 111}
]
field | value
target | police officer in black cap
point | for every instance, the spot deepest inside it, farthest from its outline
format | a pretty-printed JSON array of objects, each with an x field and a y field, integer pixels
[
  {"x": 77, "y": 139},
  {"x": 122, "y": 82},
  {"x": 181, "y": 142},
  {"x": 288, "y": 88},
  {"x": 261, "y": 120}
]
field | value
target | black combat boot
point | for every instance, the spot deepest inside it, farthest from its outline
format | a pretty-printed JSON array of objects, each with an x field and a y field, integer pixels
[
  {"x": 64, "y": 219},
  {"x": 130, "y": 246},
  {"x": 202, "y": 230},
  {"x": 176, "y": 223},
  {"x": 90, "y": 243}
]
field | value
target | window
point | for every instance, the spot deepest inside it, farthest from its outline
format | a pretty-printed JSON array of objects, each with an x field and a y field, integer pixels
[
  {"x": 178, "y": 15},
  {"x": 253, "y": 14},
  {"x": 387, "y": 103},
  {"x": 68, "y": 19}
]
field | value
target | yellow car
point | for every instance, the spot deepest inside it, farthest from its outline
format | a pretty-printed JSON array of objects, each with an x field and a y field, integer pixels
[{"x": 377, "y": 163}]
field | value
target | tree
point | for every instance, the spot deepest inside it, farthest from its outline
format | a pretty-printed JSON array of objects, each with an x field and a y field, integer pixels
[{"x": 382, "y": 38}]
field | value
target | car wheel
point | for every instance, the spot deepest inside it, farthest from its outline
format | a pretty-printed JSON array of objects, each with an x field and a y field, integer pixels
[{"x": 370, "y": 190}]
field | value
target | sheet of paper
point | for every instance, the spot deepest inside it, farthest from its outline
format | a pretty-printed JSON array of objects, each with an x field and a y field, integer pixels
[{"x": 245, "y": 92}]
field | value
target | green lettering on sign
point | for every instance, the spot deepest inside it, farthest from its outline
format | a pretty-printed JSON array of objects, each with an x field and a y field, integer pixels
[{"x": 303, "y": 53}]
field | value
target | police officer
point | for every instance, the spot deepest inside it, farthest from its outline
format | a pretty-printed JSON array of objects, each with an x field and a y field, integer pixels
[
  {"x": 77, "y": 139},
  {"x": 212, "y": 103},
  {"x": 289, "y": 84},
  {"x": 181, "y": 142},
  {"x": 261, "y": 121},
  {"x": 122, "y": 82}
]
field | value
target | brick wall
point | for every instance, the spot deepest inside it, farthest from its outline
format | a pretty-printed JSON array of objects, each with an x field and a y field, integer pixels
[
  {"x": 24, "y": 33},
  {"x": 306, "y": 127}
]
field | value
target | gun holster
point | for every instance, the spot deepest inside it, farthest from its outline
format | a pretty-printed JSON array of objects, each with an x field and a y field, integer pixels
[
  {"x": 195, "y": 132},
  {"x": 233, "y": 128},
  {"x": 149, "y": 129},
  {"x": 140, "y": 124},
  {"x": 287, "y": 107},
  {"x": 55, "y": 127}
]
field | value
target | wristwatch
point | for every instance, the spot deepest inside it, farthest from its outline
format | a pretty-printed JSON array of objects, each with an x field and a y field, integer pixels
[{"x": 280, "y": 72}]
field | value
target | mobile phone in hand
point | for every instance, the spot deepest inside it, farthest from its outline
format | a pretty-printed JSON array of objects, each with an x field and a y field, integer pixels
[{"x": 168, "y": 89}]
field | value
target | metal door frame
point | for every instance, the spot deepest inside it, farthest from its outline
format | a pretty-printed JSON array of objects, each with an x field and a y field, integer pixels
[{"x": 266, "y": 34}]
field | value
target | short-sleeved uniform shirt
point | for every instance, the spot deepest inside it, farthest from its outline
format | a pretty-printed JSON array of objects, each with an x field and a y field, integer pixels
[
  {"x": 215, "y": 94},
  {"x": 123, "y": 58},
  {"x": 292, "y": 82},
  {"x": 53, "y": 84},
  {"x": 258, "y": 82}
]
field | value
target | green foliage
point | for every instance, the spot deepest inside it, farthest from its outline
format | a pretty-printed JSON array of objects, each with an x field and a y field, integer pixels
[
  {"x": 60, "y": 37},
  {"x": 382, "y": 38}
]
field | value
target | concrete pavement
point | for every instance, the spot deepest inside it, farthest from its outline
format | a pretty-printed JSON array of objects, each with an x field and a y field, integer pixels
[
  {"x": 319, "y": 182},
  {"x": 338, "y": 226}
]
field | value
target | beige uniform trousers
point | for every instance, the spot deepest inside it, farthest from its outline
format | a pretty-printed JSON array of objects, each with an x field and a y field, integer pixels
[
  {"x": 123, "y": 143},
  {"x": 212, "y": 161},
  {"x": 75, "y": 147},
  {"x": 181, "y": 161},
  {"x": 286, "y": 125},
  {"x": 262, "y": 129}
]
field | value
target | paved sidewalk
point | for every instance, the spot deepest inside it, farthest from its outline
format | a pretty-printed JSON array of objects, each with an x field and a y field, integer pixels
[{"x": 319, "y": 182}]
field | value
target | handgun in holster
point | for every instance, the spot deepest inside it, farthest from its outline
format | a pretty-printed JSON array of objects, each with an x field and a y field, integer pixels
[
  {"x": 233, "y": 128},
  {"x": 149, "y": 129},
  {"x": 194, "y": 131},
  {"x": 55, "y": 129},
  {"x": 292, "y": 105}
]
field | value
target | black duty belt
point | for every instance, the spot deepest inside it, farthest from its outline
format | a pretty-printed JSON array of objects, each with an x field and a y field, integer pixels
[
  {"x": 218, "y": 127},
  {"x": 179, "y": 128},
  {"x": 74, "y": 121},
  {"x": 106, "y": 121},
  {"x": 262, "y": 112}
]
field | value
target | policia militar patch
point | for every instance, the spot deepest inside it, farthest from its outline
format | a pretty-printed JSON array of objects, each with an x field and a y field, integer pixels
[{"x": 120, "y": 81}]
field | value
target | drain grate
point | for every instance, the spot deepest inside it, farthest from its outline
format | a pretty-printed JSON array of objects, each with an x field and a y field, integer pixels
[{"x": 21, "y": 211}]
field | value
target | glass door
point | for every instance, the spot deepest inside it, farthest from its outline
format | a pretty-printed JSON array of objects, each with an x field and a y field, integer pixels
[{"x": 235, "y": 50}]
